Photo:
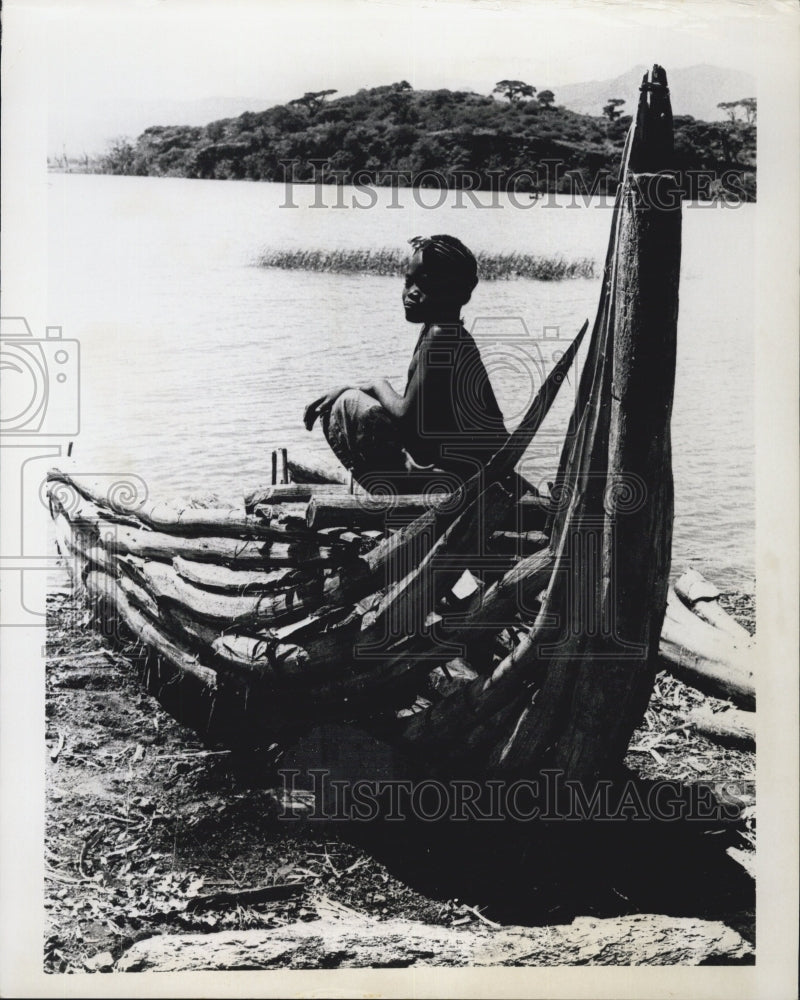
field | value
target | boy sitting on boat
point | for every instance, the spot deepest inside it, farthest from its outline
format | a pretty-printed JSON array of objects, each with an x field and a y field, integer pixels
[{"x": 447, "y": 418}]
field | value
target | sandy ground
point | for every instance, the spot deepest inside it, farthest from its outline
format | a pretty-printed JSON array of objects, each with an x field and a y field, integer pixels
[{"x": 142, "y": 819}]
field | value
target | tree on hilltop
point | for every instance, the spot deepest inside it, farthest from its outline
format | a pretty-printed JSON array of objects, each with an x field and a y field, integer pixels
[
  {"x": 611, "y": 110},
  {"x": 514, "y": 90},
  {"x": 546, "y": 98},
  {"x": 747, "y": 104},
  {"x": 313, "y": 100},
  {"x": 750, "y": 107}
]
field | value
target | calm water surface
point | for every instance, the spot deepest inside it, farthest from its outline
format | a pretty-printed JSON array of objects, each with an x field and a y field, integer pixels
[{"x": 196, "y": 362}]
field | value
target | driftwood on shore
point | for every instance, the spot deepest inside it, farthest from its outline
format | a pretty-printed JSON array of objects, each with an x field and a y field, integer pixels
[
  {"x": 641, "y": 939},
  {"x": 710, "y": 657},
  {"x": 732, "y": 727}
]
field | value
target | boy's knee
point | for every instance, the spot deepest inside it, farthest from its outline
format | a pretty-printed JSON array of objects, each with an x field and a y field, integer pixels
[
  {"x": 351, "y": 404},
  {"x": 345, "y": 415},
  {"x": 344, "y": 400}
]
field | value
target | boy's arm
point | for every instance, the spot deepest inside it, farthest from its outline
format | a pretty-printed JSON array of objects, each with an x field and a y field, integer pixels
[
  {"x": 402, "y": 409},
  {"x": 406, "y": 409},
  {"x": 320, "y": 406},
  {"x": 396, "y": 406}
]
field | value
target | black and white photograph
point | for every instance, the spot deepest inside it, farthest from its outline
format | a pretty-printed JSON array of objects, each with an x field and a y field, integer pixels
[{"x": 398, "y": 425}]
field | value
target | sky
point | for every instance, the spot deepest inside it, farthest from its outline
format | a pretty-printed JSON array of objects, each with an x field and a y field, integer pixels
[{"x": 103, "y": 60}]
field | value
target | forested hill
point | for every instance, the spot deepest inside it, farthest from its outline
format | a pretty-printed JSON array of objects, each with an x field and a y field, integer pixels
[{"x": 397, "y": 135}]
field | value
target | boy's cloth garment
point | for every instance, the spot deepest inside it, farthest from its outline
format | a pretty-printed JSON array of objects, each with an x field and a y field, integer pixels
[
  {"x": 363, "y": 436},
  {"x": 456, "y": 425}
]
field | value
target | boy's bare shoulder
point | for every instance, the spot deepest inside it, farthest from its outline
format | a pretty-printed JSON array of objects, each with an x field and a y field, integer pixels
[{"x": 445, "y": 331}]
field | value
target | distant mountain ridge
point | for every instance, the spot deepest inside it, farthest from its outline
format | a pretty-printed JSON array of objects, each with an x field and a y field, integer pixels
[{"x": 695, "y": 90}]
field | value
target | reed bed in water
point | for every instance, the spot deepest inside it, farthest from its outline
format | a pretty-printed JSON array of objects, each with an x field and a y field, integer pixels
[{"x": 389, "y": 261}]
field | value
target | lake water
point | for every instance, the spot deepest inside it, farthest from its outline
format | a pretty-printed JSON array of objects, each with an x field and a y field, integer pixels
[{"x": 195, "y": 362}]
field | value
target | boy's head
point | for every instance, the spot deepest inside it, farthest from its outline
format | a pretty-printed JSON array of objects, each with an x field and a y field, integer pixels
[{"x": 440, "y": 279}]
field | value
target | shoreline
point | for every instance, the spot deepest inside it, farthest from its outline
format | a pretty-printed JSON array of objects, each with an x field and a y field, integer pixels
[{"x": 576, "y": 194}]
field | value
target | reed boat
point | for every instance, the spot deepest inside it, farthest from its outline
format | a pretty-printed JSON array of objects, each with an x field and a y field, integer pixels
[{"x": 491, "y": 630}]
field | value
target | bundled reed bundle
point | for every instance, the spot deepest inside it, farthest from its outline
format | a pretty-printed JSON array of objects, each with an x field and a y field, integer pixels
[{"x": 253, "y": 617}]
